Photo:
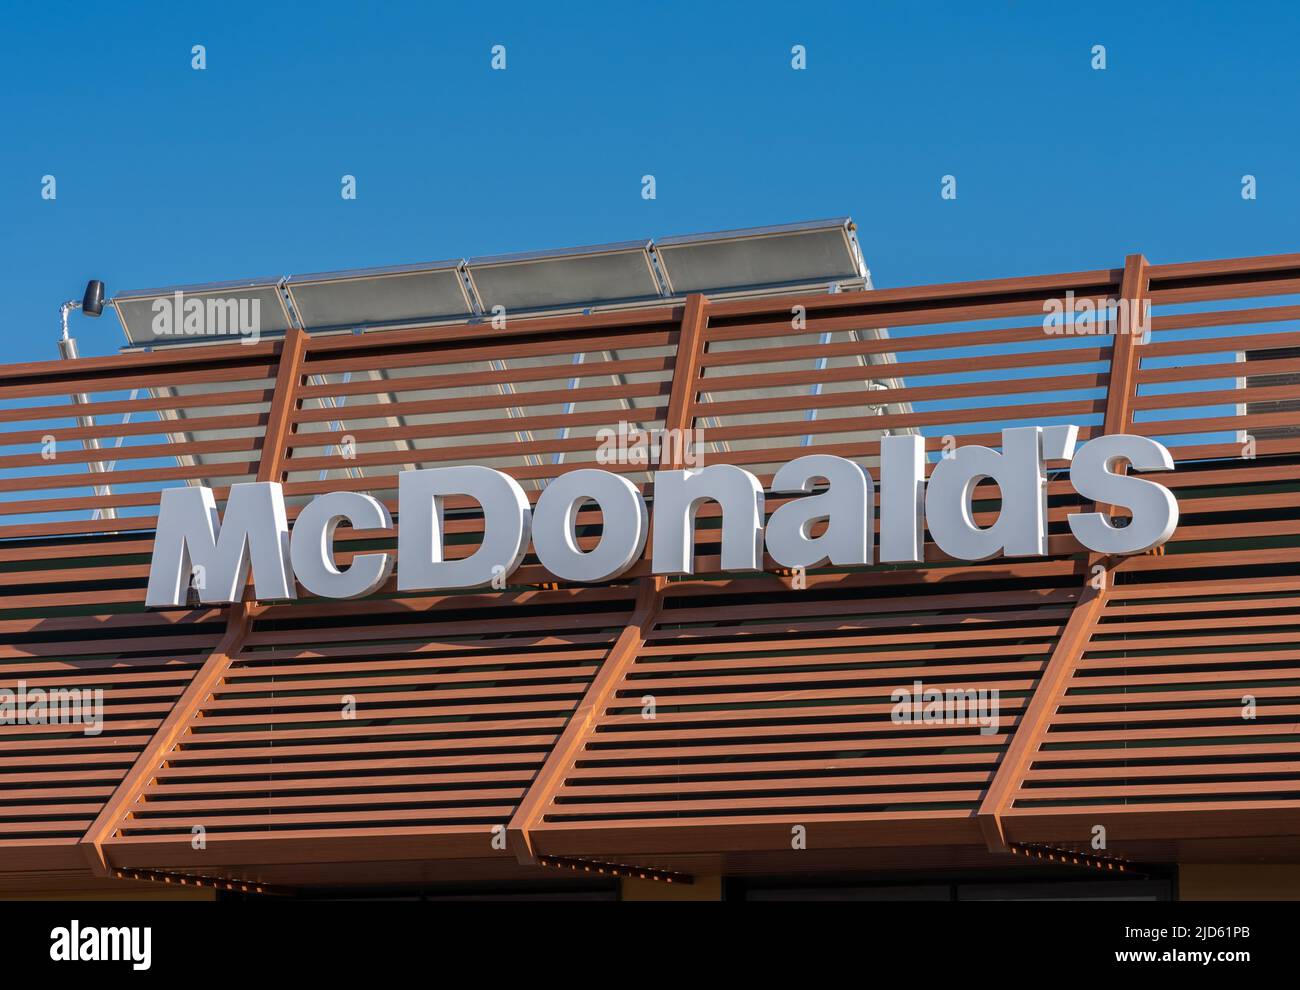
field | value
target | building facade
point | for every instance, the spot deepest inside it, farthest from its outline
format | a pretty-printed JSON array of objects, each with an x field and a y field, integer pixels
[{"x": 717, "y": 734}]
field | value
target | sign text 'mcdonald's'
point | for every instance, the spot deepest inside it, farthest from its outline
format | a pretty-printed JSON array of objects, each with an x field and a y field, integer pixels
[{"x": 832, "y": 496}]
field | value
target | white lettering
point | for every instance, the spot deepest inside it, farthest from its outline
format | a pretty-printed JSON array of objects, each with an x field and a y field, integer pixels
[
  {"x": 832, "y": 496},
  {"x": 190, "y": 535}
]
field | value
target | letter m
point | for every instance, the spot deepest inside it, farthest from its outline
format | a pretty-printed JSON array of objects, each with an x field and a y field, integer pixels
[{"x": 189, "y": 535}]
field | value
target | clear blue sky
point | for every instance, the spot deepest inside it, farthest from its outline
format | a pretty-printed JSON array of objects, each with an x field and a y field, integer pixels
[{"x": 169, "y": 175}]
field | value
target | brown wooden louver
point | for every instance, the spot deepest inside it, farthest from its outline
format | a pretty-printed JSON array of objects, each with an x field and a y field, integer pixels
[{"x": 494, "y": 727}]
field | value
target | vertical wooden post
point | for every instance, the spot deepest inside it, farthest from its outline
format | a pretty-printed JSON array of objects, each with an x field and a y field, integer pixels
[
  {"x": 284, "y": 403},
  {"x": 1120, "y": 391},
  {"x": 649, "y": 596},
  {"x": 686, "y": 372},
  {"x": 279, "y": 424},
  {"x": 1122, "y": 388}
]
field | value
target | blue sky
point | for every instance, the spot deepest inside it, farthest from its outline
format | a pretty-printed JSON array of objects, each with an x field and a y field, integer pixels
[{"x": 169, "y": 175}]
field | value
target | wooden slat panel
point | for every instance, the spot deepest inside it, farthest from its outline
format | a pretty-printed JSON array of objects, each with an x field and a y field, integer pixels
[{"x": 770, "y": 702}]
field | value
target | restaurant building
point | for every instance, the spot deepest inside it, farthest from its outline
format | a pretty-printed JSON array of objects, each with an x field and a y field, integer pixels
[{"x": 717, "y": 734}]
